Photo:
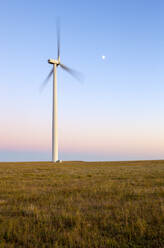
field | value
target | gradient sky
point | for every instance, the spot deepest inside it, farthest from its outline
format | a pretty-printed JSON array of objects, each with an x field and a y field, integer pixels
[{"x": 117, "y": 113}]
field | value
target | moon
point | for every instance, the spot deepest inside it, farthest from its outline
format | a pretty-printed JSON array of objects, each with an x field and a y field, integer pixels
[{"x": 103, "y": 57}]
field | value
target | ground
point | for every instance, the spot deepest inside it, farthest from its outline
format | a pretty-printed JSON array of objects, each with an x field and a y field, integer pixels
[{"x": 82, "y": 204}]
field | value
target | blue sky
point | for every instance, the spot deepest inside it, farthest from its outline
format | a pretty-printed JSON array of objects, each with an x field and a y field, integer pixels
[{"x": 117, "y": 113}]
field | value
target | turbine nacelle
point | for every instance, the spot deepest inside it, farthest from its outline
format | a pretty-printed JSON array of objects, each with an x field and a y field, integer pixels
[{"x": 53, "y": 61}]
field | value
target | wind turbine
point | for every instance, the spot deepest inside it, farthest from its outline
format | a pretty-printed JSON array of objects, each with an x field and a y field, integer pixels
[{"x": 56, "y": 63}]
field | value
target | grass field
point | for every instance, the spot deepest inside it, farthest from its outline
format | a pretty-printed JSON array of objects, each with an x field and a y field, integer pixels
[{"x": 80, "y": 204}]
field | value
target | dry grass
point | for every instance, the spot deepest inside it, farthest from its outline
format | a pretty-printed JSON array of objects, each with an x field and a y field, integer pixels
[{"x": 79, "y": 204}]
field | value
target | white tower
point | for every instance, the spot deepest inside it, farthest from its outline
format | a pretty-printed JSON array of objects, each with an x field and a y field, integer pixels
[{"x": 54, "y": 113}]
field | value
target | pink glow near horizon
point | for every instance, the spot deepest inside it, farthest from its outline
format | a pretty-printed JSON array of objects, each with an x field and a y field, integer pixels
[
  {"x": 35, "y": 139},
  {"x": 111, "y": 139}
]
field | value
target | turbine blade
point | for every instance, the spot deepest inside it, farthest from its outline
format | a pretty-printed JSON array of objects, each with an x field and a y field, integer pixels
[
  {"x": 74, "y": 73},
  {"x": 47, "y": 78},
  {"x": 58, "y": 38}
]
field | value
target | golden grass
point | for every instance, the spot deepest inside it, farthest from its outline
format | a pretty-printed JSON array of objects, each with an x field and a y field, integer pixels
[{"x": 82, "y": 204}]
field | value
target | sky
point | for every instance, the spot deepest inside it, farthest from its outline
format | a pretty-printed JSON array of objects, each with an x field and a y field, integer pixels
[{"x": 117, "y": 113}]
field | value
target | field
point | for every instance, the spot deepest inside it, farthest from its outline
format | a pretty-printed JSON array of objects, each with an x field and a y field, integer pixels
[{"x": 82, "y": 204}]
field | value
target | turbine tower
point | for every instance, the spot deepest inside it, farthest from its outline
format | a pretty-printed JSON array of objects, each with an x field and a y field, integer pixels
[{"x": 56, "y": 64}]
